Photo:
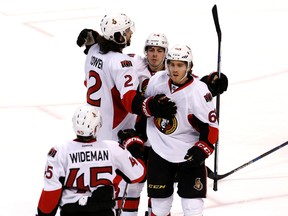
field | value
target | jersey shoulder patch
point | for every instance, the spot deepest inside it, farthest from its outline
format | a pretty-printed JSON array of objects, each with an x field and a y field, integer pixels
[
  {"x": 126, "y": 63},
  {"x": 208, "y": 97},
  {"x": 52, "y": 152}
]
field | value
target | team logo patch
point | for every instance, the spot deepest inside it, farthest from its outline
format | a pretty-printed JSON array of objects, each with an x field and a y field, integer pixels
[
  {"x": 52, "y": 152},
  {"x": 208, "y": 97},
  {"x": 126, "y": 63},
  {"x": 198, "y": 184},
  {"x": 166, "y": 126},
  {"x": 144, "y": 86}
]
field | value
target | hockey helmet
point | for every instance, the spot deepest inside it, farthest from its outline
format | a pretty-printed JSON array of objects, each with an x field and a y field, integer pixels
[
  {"x": 116, "y": 23},
  {"x": 86, "y": 119},
  {"x": 180, "y": 53},
  {"x": 157, "y": 39}
]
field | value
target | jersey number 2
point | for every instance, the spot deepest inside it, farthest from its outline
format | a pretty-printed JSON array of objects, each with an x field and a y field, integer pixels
[{"x": 94, "y": 88}]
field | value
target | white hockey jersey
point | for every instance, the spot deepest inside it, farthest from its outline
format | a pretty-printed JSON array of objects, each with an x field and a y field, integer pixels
[
  {"x": 172, "y": 138},
  {"x": 85, "y": 167},
  {"x": 111, "y": 81},
  {"x": 142, "y": 71}
]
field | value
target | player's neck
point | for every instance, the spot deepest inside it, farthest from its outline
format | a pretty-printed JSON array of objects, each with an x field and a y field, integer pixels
[
  {"x": 157, "y": 68},
  {"x": 85, "y": 139}
]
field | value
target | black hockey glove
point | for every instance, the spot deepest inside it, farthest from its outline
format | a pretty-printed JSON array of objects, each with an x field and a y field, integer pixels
[
  {"x": 198, "y": 153},
  {"x": 216, "y": 85},
  {"x": 159, "y": 106},
  {"x": 132, "y": 141},
  {"x": 87, "y": 37},
  {"x": 102, "y": 197}
]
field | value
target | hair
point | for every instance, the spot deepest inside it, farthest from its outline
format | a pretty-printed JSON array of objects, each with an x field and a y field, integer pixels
[
  {"x": 147, "y": 47},
  {"x": 168, "y": 62},
  {"x": 85, "y": 139},
  {"x": 108, "y": 45}
]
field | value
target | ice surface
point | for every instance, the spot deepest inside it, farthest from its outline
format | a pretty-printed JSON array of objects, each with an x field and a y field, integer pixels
[{"x": 42, "y": 83}]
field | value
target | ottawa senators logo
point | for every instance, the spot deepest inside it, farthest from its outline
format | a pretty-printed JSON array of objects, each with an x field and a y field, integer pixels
[
  {"x": 198, "y": 184},
  {"x": 166, "y": 126},
  {"x": 208, "y": 97}
]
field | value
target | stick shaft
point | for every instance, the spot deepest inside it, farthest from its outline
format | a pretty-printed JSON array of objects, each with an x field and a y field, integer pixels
[
  {"x": 219, "y": 34},
  {"x": 212, "y": 176},
  {"x": 123, "y": 200}
]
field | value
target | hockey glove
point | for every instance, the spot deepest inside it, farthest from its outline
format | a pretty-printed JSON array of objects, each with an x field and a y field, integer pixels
[
  {"x": 87, "y": 37},
  {"x": 132, "y": 141},
  {"x": 198, "y": 153},
  {"x": 159, "y": 106},
  {"x": 215, "y": 84}
]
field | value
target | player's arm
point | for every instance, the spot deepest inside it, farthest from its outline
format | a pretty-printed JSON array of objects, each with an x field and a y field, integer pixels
[
  {"x": 215, "y": 84},
  {"x": 48, "y": 202},
  {"x": 205, "y": 146},
  {"x": 126, "y": 81},
  {"x": 204, "y": 120},
  {"x": 130, "y": 168},
  {"x": 53, "y": 184}
]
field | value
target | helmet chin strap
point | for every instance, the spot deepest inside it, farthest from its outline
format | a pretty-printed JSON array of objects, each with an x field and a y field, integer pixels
[{"x": 186, "y": 74}]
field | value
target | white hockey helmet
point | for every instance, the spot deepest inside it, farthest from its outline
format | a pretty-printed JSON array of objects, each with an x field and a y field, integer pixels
[
  {"x": 157, "y": 39},
  {"x": 86, "y": 119},
  {"x": 114, "y": 23},
  {"x": 180, "y": 53}
]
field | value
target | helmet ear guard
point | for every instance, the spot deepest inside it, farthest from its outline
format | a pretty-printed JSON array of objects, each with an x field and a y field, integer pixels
[{"x": 86, "y": 121}]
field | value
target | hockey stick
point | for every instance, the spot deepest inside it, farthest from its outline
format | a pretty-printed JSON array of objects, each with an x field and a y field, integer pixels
[
  {"x": 211, "y": 175},
  {"x": 123, "y": 200},
  {"x": 219, "y": 34}
]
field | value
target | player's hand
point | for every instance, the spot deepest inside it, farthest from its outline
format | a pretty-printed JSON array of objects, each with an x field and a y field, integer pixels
[
  {"x": 198, "y": 153},
  {"x": 215, "y": 84},
  {"x": 159, "y": 106},
  {"x": 87, "y": 37},
  {"x": 131, "y": 139}
]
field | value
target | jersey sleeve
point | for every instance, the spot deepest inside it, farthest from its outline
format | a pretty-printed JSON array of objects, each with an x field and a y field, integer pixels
[
  {"x": 204, "y": 118},
  {"x": 125, "y": 78},
  {"x": 52, "y": 191},
  {"x": 133, "y": 170}
]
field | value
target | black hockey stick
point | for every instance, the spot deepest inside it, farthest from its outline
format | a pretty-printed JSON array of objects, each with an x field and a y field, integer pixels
[
  {"x": 211, "y": 175},
  {"x": 123, "y": 200},
  {"x": 219, "y": 34}
]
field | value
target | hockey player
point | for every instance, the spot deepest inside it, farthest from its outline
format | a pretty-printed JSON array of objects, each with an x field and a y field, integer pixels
[
  {"x": 155, "y": 50},
  {"x": 112, "y": 81},
  {"x": 180, "y": 144},
  {"x": 79, "y": 175}
]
